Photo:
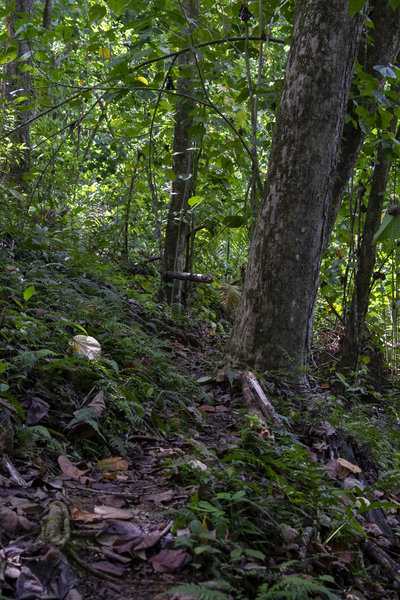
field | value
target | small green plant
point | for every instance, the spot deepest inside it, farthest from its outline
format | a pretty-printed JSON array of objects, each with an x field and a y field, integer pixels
[{"x": 298, "y": 588}]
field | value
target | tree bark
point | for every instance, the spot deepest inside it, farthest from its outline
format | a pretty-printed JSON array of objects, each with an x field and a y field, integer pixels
[
  {"x": 366, "y": 261},
  {"x": 383, "y": 50},
  {"x": 16, "y": 78},
  {"x": 183, "y": 168},
  {"x": 273, "y": 327}
]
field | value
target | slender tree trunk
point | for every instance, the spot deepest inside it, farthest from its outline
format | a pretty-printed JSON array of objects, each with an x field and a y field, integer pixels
[
  {"x": 183, "y": 168},
  {"x": 382, "y": 49},
  {"x": 48, "y": 13},
  {"x": 273, "y": 327},
  {"x": 16, "y": 78},
  {"x": 366, "y": 261}
]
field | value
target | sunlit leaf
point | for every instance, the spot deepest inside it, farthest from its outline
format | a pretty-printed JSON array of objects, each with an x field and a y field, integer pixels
[
  {"x": 105, "y": 53},
  {"x": 28, "y": 293},
  {"x": 195, "y": 200}
]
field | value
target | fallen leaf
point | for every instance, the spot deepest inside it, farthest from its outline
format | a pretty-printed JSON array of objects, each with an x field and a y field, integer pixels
[
  {"x": 344, "y": 552},
  {"x": 207, "y": 408},
  {"x": 86, "y": 345},
  {"x": 197, "y": 464},
  {"x": 35, "y": 409},
  {"x": 106, "y": 567},
  {"x": 346, "y": 467},
  {"x": 69, "y": 469},
  {"x": 83, "y": 516},
  {"x": 168, "y": 561},
  {"x": 109, "y": 512},
  {"x": 128, "y": 544},
  {"x": 98, "y": 403},
  {"x": 372, "y": 528},
  {"x": 11, "y": 523},
  {"x": 114, "y": 463},
  {"x": 161, "y": 497}
]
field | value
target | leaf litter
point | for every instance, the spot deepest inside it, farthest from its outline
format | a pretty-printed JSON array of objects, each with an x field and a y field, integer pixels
[{"x": 105, "y": 530}]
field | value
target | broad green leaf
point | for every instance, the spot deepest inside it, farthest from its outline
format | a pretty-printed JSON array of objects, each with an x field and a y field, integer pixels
[
  {"x": 3, "y": 367},
  {"x": 389, "y": 229},
  {"x": 394, "y": 4},
  {"x": 8, "y": 56},
  {"x": 385, "y": 71},
  {"x": 117, "y": 6},
  {"x": 195, "y": 200},
  {"x": 355, "y": 6},
  {"x": 97, "y": 12},
  {"x": 142, "y": 80},
  {"x": 28, "y": 293},
  {"x": 381, "y": 98},
  {"x": 234, "y": 221}
]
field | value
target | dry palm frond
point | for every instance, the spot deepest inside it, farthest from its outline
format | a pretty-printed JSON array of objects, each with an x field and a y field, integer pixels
[{"x": 230, "y": 296}]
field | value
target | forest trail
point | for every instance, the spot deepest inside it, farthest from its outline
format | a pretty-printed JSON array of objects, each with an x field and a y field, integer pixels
[{"x": 107, "y": 530}]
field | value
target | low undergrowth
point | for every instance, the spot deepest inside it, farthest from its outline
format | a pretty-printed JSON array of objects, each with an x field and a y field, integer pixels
[{"x": 265, "y": 518}]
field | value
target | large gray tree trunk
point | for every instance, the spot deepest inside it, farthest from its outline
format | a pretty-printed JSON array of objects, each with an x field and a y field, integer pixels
[
  {"x": 273, "y": 327},
  {"x": 183, "y": 167}
]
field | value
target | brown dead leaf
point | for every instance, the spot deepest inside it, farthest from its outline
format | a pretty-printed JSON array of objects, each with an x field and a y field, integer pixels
[
  {"x": 114, "y": 463},
  {"x": 168, "y": 561},
  {"x": 110, "y": 475},
  {"x": 207, "y": 408},
  {"x": 98, "y": 404},
  {"x": 221, "y": 408},
  {"x": 41, "y": 466},
  {"x": 106, "y": 567},
  {"x": 109, "y": 512},
  {"x": 348, "y": 465},
  {"x": 69, "y": 469},
  {"x": 344, "y": 552},
  {"x": 11, "y": 524},
  {"x": 128, "y": 544},
  {"x": 331, "y": 468},
  {"x": 383, "y": 542},
  {"x": 83, "y": 516},
  {"x": 161, "y": 497},
  {"x": 372, "y": 528}
]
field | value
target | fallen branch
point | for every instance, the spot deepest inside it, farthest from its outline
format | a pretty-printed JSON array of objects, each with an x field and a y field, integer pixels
[
  {"x": 383, "y": 559},
  {"x": 254, "y": 395},
  {"x": 187, "y": 276}
]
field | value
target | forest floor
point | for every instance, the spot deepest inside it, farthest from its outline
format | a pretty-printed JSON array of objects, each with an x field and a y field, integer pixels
[{"x": 210, "y": 499}]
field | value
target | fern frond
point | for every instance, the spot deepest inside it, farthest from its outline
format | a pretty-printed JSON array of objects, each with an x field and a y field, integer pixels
[
  {"x": 230, "y": 296},
  {"x": 295, "y": 588},
  {"x": 199, "y": 592}
]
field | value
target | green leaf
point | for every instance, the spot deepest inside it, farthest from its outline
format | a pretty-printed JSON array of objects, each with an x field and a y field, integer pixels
[
  {"x": 117, "y": 6},
  {"x": 195, "y": 200},
  {"x": 355, "y": 6},
  {"x": 204, "y": 379},
  {"x": 97, "y": 13},
  {"x": 389, "y": 229},
  {"x": 28, "y": 293},
  {"x": 8, "y": 56},
  {"x": 234, "y": 221},
  {"x": 3, "y": 367},
  {"x": 394, "y": 4}
]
